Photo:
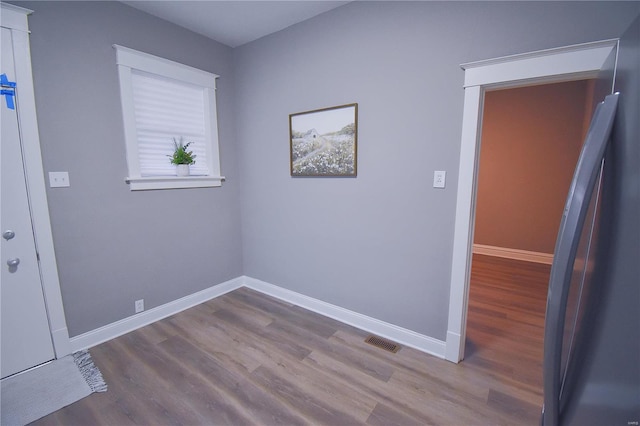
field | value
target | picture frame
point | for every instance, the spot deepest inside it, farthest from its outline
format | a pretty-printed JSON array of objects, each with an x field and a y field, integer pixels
[{"x": 324, "y": 142}]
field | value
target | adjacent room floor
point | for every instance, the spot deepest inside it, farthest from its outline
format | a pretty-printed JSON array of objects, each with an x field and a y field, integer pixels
[
  {"x": 505, "y": 321},
  {"x": 246, "y": 358}
]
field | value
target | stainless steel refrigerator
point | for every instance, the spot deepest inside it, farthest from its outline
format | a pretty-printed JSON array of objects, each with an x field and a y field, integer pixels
[{"x": 592, "y": 327}]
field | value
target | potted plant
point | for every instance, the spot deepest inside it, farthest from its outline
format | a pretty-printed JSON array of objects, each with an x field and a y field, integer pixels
[{"x": 181, "y": 157}]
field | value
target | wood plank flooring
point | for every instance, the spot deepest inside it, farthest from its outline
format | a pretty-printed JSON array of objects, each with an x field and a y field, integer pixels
[
  {"x": 246, "y": 358},
  {"x": 505, "y": 324}
]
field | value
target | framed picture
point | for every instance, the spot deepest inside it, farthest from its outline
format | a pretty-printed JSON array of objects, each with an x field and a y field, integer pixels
[{"x": 324, "y": 141}]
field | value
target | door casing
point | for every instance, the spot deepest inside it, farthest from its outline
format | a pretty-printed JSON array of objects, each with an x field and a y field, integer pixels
[
  {"x": 15, "y": 19},
  {"x": 548, "y": 66}
]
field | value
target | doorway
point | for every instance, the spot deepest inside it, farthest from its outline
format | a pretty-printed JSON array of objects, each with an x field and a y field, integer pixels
[
  {"x": 530, "y": 143},
  {"x": 22, "y": 149},
  {"x": 576, "y": 62},
  {"x": 531, "y": 140},
  {"x": 26, "y": 339}
]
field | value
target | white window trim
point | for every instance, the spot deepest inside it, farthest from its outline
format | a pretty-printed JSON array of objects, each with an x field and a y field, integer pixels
[{"x": 128, "y": 59}]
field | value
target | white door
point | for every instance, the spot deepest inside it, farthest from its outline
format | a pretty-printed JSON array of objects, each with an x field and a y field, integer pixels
[{"x": 26, "y": 337}]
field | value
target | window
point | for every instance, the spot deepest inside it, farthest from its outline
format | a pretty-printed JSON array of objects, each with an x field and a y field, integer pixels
[{"x": 161, "y": 101}]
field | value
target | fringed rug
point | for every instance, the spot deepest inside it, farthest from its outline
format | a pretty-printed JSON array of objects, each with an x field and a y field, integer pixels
[{"x": 28, "y": 396}]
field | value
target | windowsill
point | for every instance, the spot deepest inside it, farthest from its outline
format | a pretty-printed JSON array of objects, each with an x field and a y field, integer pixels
[{"x": 173, "y": 182}]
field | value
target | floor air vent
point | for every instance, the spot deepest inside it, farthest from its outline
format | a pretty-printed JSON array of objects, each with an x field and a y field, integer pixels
[{"x": 382, "y": 343}]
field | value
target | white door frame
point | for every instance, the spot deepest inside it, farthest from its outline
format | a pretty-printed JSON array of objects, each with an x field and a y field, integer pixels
[
  {"x": 15, "y": 19},
  {"x": 547, "y": 66}
]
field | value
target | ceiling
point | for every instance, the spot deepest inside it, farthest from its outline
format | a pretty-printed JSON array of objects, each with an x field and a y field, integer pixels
[{"x": 235, "y": 23}]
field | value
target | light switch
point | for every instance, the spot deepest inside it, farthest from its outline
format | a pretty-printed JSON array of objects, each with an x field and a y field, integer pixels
[
  {"x": 439, "y": 178},
  {"x": 58, "y": 179}
]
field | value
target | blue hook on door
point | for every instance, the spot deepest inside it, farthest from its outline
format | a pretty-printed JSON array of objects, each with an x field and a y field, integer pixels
[{"x": 8, "y": 90}]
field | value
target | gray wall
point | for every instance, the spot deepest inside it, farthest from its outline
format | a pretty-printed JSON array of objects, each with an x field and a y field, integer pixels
[
  {"x": 114, "y": 246},
  {"x": 379, "y": 244}
]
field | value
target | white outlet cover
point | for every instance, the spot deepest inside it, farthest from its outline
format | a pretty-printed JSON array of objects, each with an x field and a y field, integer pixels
[
  {"x": 58, "y": 179},
  {"x": 439, "y": 178}
]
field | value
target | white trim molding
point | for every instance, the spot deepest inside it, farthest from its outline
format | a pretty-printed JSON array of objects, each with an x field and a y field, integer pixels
[
  {"x": 546, "y": 66},
  {"x": 383, "y": 329},
  {"x": 512, "y": 253},
  {"x": 398, "y": 334},
  {"x": 154, "y": 64},
  {"x": 15, "y": 17},
  {"x": 173, "y": 182},
  {"x": 578, "y": 61},
  {"x": 126, "y": 325}
]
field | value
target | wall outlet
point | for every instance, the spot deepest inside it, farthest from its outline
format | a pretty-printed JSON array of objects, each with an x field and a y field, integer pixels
[
  {"x": 139, "y": 305},
  {"x": 58, "y": 179},
  {"x": 439, "y": 178}
]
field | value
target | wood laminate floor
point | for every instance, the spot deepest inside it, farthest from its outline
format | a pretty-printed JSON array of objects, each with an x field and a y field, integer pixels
[{"x": 246, "y": 358}]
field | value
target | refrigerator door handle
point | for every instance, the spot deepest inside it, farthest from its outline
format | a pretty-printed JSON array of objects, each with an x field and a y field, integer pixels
[{"x": 573, "y": 219}]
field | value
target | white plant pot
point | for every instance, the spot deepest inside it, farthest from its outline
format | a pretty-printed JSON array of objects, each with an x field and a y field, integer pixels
[{"x": 182, "y": 170}]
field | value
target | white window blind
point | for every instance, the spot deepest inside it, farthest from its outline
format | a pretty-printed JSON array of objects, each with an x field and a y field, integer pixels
[{"x": 166, "y": 109}]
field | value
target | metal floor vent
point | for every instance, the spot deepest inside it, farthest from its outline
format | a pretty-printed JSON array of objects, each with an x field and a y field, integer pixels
[{"x": 382, "y": 343}]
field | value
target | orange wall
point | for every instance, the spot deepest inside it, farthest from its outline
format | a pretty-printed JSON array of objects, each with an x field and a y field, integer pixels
[{"x": 531, "y": 140}]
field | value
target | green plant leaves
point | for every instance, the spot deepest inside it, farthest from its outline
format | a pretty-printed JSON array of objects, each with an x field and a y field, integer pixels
[{"x": 180, "y": 154}]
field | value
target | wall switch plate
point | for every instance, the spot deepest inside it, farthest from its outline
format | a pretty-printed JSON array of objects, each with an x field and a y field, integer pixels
[
  {"x": 439, "y": 177},
  {"x": 58, "y": 179},
  {"x": 139, "y": 306}
]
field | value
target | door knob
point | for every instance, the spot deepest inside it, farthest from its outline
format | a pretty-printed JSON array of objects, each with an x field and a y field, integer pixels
[
  {"x": 13, "y": 263},
  {"x": 8, "y": 234}
]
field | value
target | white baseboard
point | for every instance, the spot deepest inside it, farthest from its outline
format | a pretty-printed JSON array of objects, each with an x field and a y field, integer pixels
[
  {"x": 126, "y": 325},
  {"x": 453, "y": 347},
  {"x": 398, "y": 334},
  {"x": 61, "y": 342},
  {"x": 383, "y": 329},
  {"x": 511, "y": 253}
]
